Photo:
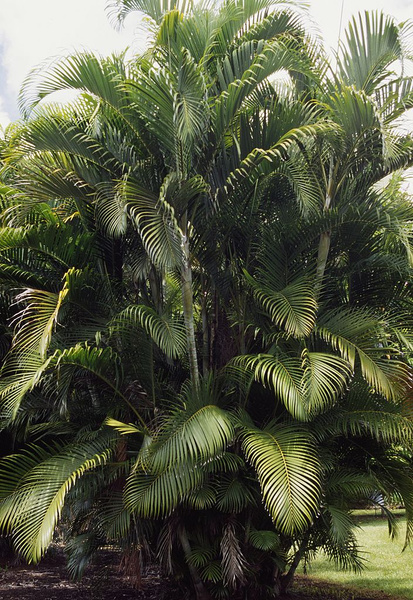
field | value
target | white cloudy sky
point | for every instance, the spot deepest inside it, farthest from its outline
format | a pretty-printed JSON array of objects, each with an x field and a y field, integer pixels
[{"x": 31, "y": 31}]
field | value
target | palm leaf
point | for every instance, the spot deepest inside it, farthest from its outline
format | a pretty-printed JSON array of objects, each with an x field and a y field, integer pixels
[
  {"x": 21, "y": 373},
  {"x": 82, "y": 71},
  {"x": 306, "y": 386},
  {"x": 292, "y": 309},
  {"x": 167, "y": 332},
  {"x": 288, "y": 471},
  {"x": 37, "y": 321},
  {"x": 157, "y": 495},
  {"x": 31, "y": 511},
  {"x": 156, "y": 223},
  {"x": 372, "y": 44},
  {"x": 352, "y": 332},
  {"x": 155, "y": 10},
  {"x": 266, "y": 540},
  {"x": 234, "y": 564},
  {"x": 196, "y": 431}
]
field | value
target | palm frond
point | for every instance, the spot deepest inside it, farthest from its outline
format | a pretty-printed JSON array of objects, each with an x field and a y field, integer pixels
[
  {"x": 288, "y": 471},
  {"x": 195, "y": 431},
  {"x": 350, "y": 332},
  {"x": 234, "y": 564},
  {"x": 39, "y": 489},
  {"x": 82, "y": 71},
  {"x": 306, "y": 386},
  {"x": 38, "y": 319},
  {"x": 167, "y": 332},
  {"x": 292, "y": 309},
  {"x": 21, "y": 373},
  {"x": 157, "y": 495},
  {"x": 372, "y": 44},
  {"x": 156, "y": 10},
  {"x": 156, "y": 223},
  {"x": 266, "y": 540}
]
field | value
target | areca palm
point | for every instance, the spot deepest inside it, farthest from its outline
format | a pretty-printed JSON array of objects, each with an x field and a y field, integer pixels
[
  {"x": 182, "y": 190},
  {"x": 365, "y": 97},
  {"x": 184, "y": 113}
]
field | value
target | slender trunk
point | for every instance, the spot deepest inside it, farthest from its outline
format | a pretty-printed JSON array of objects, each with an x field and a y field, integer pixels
[
  {"x": 152, "y": 373},
  {"x": 241, "y": 326},
  {"x": 188, "y": 307},
  {"x": 214, "y": 318},
  {"x": 323, "y": 251},
  {"x": 155, "y": 289},
  {"x": 157, "y": 293},
  {"x": 287, "y": 579},
  {"x": 325, "y": 237},
  {"x": 205, "y": 333},
  {"x": 117, "y": 259},
  {"x": 200, "y": 590}
]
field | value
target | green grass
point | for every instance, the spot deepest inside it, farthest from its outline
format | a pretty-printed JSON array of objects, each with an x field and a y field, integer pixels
[{"x": 387, "y": 568}]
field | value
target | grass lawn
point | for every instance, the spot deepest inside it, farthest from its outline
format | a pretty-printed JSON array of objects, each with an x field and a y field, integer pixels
[{"x": 387, "y": 568}]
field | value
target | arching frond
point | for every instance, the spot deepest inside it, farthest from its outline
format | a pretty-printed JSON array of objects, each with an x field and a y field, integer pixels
[
  {"x": 167, "y": 332},
  {"x": 274, "y": 56},
  {"x": 372, "y": 44},
  {"x": 21, "y": 372},
  {"x": 191, "y": 114},
  {"x": 156, "y": 223},
  {"x": 289, "y": 474},
  {"x": 383, "y": 372},
  {"x": 156, "y": 10},
  {"x": 37, "y": 321},
  {"x": 305, "y": 386},
  {"x": 123, "y": 428},
  {"x": 156, "y": 495},
  {"x": 266, "y": 540},
  {"x": 82, "y": 71},
  {"x": 34, "y": 487},
  {"x": 196, "y": 431},
  {"x": 292, "y": 309},
  {"x": 233, "y": 494},
  {"x": 104, "y": 363}
]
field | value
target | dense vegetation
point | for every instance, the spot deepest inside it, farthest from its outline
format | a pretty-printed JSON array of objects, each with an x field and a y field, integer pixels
[{"x": 206, "y": 305}]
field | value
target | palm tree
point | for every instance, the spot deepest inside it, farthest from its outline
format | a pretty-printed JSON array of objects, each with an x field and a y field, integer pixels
[
  {"x": 365, "y": 96},
  {"x": 180, "y": 197}
]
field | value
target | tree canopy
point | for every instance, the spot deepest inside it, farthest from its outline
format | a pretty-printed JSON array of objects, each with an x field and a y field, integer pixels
[{"x": 206, "y": 309}]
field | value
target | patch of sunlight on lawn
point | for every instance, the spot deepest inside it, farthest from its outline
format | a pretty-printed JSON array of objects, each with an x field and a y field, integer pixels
[{"x": 387, "y": 569}]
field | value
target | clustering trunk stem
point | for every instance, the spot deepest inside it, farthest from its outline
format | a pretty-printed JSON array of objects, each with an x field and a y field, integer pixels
[
  {"x": 200, "y": 589},
  {"x": 325, "y": 237},
  {"x": 188, "y": 308}
]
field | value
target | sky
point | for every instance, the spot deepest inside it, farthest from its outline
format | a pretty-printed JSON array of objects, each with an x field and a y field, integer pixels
[{"x": 33, "y": 31}]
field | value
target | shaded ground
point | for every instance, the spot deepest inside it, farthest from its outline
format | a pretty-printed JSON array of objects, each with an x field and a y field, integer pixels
[{"x": 103, "y": 581}]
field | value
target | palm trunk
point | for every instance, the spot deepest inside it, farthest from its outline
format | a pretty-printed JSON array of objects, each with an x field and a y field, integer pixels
[
  {"x": 213, "y": 330},
  {"x": 325, "y": 237},
  {"x": 286, "y": 580},
  {"x": 200, "y": 589},
  {"x": 188, "y": 307},
  {"x": 323, "y": 251},
  {"x": 205, "y": 332},
  {"x": 155, "y": 289}
]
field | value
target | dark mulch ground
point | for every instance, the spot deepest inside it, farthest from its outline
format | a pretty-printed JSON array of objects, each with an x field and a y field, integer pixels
[{"x": 103, "y": 581}]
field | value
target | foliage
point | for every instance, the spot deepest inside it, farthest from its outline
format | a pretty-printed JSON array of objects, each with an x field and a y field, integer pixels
[{"x": 206, "y": 297}]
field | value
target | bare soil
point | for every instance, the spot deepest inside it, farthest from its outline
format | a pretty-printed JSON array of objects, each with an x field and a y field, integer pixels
[{"x": 104, "y": 581}]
